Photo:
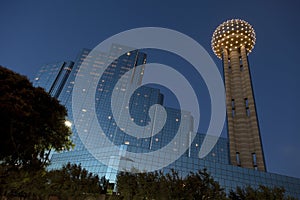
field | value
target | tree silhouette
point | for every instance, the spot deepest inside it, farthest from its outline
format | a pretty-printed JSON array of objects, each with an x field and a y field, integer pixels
[{"x": 32, "y": 123}]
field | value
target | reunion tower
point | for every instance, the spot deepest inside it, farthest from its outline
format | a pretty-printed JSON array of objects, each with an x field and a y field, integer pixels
[{"x": 232, "y": 41}]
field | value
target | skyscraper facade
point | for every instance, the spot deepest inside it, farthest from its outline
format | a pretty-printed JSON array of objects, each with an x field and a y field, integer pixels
[
  {"x": 149, "y": 140},
  {"x": 59, "y": 79}
]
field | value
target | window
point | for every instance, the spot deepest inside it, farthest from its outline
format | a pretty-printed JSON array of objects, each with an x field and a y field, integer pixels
[
  {"x": 254, "y": 161},
  {"x": 246, "y": 102},
  {"x": 238, "y": 161},
  {"x": 247, "y": 107},
  {"x": 232, "y": 103},
  {"x": 248, "y": 112},
  {"x": 233, "y": 113},
  {"x": 232, "y": 107},
  {"x": 229, "y": 66}
]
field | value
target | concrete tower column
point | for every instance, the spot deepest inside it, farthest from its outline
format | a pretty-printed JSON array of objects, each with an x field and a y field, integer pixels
[{"x": 231, "y": 42}]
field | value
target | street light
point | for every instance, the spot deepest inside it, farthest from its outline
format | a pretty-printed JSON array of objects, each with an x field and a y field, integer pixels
[{"x": 68, "y": 123}]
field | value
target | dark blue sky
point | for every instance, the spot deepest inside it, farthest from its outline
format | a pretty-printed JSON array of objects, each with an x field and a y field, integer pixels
[{"x": 37, "y": 32}]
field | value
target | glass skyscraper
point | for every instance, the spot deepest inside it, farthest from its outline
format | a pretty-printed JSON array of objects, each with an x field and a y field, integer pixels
[{"x": 59, "y": 79}]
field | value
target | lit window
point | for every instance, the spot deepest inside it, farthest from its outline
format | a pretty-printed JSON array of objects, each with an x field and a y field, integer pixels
[
  {"x": 156, "y": 139},
  {"x": 126, "y": 142},
  {"x": 83, "y": 110},
  {"x": 177, "y": 119},
  {"x": 109, "y": 117}
]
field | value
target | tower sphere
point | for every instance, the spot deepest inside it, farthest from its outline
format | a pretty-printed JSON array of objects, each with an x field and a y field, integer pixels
[{"x": 232, "y": 35}]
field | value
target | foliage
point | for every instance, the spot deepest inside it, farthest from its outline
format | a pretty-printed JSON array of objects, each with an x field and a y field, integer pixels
[
  {"x": 262, "y": 192},
  {"x": 32, "y": 123},
  {"x": 71, "y": 181},
  {"x": 156, "y": 185},
  {"x": 199, "y": 185},
  {"x": 22, "y": 183}
]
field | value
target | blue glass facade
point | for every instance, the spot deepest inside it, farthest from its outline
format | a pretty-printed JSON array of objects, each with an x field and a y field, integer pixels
[
  {"x": 53, "y": 77},
  {"x": 59, "y": 80}
]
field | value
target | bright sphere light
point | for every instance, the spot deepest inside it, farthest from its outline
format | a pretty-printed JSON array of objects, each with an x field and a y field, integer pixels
[{"x": 236, "y": 28}]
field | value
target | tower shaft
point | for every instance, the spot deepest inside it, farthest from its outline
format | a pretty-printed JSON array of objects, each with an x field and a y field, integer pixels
[{"x": 243, "y": 129}]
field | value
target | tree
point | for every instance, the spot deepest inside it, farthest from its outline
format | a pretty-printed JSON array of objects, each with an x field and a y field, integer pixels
[
  {"x": 156, "y": 185},
  {"x": 201, "y": 185},
  {"x": 262, "y": 192},
  {"x": 127, "y": 185},
  {"x": 73, "y": 181},
  {"x": 32, "y": 123},
  {"x": 22, "y": 183}
]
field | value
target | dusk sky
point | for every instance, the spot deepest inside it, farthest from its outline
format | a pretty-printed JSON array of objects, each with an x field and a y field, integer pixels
[{"x": 34, "y": 33}]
